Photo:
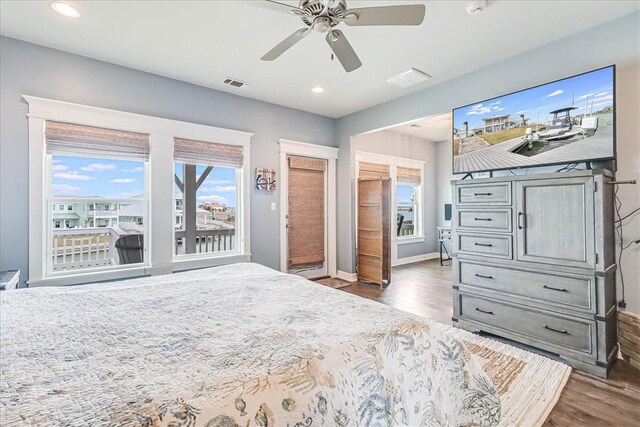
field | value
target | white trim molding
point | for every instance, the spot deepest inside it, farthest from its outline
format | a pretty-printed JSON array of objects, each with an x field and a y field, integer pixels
[
  {"x": 349, "y": 277},
  {"x": 417, "y": 258},
  {"x": 330, "y": 154},
  {"x": 159, "y": 235}
]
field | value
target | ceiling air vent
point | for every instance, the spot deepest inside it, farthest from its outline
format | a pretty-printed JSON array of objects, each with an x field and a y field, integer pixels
[
  {"x": 236, "y": 83},
  {"x": 408, "y": 78}
]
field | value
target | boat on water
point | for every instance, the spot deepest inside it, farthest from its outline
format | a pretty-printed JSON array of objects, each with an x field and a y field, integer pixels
[{"x": 563, "y": 126}]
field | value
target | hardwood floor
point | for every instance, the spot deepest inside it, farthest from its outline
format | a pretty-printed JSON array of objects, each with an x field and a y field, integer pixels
[{"x": 424, "y": 289}]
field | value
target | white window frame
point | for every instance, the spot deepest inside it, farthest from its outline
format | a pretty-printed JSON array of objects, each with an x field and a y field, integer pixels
[
  {"x": 240, "y": 184},
  {"x": 394, "y": 162},
  {"x": 160, "y": 209}
]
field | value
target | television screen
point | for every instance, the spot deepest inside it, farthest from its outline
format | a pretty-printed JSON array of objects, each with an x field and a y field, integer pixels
[{"x": 567, "y": 121}]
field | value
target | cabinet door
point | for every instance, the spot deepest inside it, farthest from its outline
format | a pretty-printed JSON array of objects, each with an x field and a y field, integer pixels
[{"x": 555, "y": 221}]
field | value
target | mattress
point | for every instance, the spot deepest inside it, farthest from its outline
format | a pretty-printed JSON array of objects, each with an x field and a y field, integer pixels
[{"x": 238, "y": 345}]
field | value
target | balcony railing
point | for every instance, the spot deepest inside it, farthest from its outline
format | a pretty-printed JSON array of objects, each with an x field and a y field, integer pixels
[
  {"x": 81, "y": 248},
  {"x": 102, "y": 212},
  {"x": 207, "y": 241}
]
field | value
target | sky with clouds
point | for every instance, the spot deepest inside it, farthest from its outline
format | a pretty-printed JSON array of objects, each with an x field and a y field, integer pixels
[
  {"x": 534, "y": 103},
  {"x": 82, "y": 176}
]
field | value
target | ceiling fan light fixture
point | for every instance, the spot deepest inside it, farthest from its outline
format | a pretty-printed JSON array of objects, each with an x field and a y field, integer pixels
[
  {"x": 476, "y": 7},
  {"x": 65, "y": 9}
]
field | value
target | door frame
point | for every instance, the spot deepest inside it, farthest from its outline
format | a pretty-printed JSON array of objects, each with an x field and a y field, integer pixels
[{"x": 330, "y": 154}]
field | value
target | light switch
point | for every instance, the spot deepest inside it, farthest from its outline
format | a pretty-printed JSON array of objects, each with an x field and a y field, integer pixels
[{"x": 273, "y": 206}]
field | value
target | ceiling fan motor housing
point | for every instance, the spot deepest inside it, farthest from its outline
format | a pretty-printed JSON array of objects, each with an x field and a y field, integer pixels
[{"x": 315, "y": 7}]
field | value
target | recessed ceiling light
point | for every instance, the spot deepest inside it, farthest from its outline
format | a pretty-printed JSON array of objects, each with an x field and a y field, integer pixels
[
  {"x": 317, "y": 89},
  {"x": 65, "y": 9}
]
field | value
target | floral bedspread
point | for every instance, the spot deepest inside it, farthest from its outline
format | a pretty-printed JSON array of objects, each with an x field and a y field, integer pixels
[{"x": 239, "y": 345}]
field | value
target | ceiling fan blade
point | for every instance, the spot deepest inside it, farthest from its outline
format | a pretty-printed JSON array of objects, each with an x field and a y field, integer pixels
[
  {"x": 343, "y": 50},
  {"x": 386, "y": 15},
  {"x": 285, "y": 44}
]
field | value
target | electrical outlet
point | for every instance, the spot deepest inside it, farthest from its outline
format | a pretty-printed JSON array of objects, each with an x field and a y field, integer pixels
[{"x": 273, "y": 206}]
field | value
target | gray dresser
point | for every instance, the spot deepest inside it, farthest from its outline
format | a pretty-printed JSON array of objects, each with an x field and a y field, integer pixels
[{"x": 534, "y": 261}]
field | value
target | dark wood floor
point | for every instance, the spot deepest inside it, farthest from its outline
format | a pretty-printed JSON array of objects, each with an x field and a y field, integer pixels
[{"x": 425, "y": 289}]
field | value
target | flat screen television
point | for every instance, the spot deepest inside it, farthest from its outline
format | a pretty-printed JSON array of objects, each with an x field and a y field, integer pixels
[{"x": 562, "y": 122}]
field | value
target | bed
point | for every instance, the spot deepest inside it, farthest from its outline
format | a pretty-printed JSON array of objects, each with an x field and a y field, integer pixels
[{"x": 238, "y": 345}]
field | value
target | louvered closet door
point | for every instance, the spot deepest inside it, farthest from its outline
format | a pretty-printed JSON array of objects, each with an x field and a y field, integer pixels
[
  {"x": 306, "y": 216},
  {"x": 374, "y": 255}
]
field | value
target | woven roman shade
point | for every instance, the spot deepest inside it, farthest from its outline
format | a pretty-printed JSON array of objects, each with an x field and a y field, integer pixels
[
  {"x": 409, "y": 176},
  {"x": 306, "y": 211},
  {"x": 372, "y": 170},
  {"x": 194, "y": 152},
  {"x": 307, "y": 163},
  {"x": 72, "y": 139}
]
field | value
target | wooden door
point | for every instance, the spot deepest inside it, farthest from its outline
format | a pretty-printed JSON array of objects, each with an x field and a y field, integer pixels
[
  {"x": 374, "y": 230},
  {"x": 555, "y": 221},
  {"x": 306, "y": 213}
]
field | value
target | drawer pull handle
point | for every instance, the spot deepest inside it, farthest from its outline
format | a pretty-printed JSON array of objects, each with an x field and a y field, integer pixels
[
  {"x": 482, "y": 194},
  {"x": 482, "y": 219},
  {"x": 520, "y": 225},
  {"x": 488, "y": 245},
  {"x": 560, "y": 331},
  {"x": 555, "y": 289},
  {"x": 483, "y": 276},
  {"x": 486, "y": 311}
]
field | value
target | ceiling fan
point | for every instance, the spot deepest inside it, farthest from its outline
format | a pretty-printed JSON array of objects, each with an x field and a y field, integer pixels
[{"x": 324, "y": 16}]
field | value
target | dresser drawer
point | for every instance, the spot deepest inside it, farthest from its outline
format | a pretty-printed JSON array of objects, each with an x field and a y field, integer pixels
[
  {"x": 574, "y": 291},
  {"x": 482, "y": 194},
  {"x": 498, "y": 220},
  {"x": 484, "y": 244},
  {"x": 575, "y": 334}
]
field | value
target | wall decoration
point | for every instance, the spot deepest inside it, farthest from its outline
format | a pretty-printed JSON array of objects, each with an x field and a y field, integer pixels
[{"x": 265, "y": 179}]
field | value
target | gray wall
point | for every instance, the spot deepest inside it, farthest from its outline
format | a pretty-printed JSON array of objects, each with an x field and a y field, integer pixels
[
  {"x": 617, "y": 42},
  {"x": 34, "y": 70},
  {"x": 396, "y": 144}
]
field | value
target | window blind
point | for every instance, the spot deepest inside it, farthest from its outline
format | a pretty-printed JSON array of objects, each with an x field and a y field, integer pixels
[
  {"x": 72, "y": 139},
  {"x": 194, "y": 152},
  {"x": 373, "y": 170},
  {"x": 409, "y": 176},
  {"x": 307, "y": 163},
  {"x": 306, "y": 211}
]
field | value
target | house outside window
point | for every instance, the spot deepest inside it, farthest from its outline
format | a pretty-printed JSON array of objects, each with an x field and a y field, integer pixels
[{"x": 86, "y": 177}]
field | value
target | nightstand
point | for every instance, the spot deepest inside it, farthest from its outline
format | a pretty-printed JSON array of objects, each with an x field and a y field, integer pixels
[{"x": 9, "y": 280}]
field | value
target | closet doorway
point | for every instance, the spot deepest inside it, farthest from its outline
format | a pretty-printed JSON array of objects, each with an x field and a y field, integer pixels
[{"x": 307, "y": 188}]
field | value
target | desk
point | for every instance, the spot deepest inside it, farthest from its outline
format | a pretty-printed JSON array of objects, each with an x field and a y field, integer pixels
[{"x": 444, "y": 235}]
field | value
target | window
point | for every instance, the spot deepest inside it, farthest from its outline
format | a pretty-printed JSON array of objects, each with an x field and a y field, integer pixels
[
  {"x": 101, "y": 167},
  {"x": 85, "y": 172},
  {"x": 408, "y": 207},
  {"x": 206, "y": 197},
  {"x": 407, "y": 191}
]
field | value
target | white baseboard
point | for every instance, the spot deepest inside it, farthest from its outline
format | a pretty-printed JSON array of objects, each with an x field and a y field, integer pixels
[
  {"x": 417, "y": 258},
  {"x": 349, "y": 277}
]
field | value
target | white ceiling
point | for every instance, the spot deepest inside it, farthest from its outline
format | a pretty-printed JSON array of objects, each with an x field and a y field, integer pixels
[
  {"x": 203, "y": 42},
  {"x": 433, "y": 128}
]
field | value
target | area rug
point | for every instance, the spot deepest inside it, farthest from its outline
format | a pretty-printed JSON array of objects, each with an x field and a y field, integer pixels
[
  {"x": 334, "y": 283},
  {"x": 529, "y": 384}
]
